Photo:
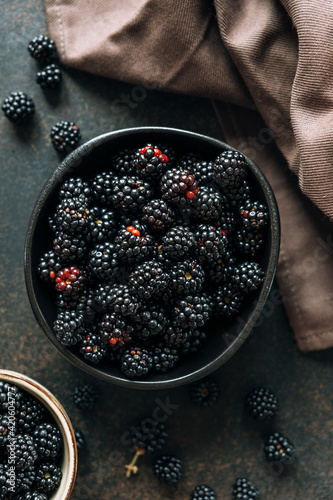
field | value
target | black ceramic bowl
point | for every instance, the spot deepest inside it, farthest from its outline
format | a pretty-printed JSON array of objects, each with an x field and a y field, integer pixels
[{"x": 93, "y": 157}]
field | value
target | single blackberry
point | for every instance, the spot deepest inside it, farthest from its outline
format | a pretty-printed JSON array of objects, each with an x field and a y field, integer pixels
[
  {"x": 102, "y": 225},
  {"x": 205, "y": 392},
  {"x": 9, "y": 394},
  {"x": 101, "y": 186},
  {"x": 120, "y": 300},
  {"x": 211, "y": 243},
  {"x": 49, "y": 265},
  {"x": 50, "y": 77},
  {"x": 92, "y": 348},
  {"x": 254, "y": 215},
  {"x": 150, "y": 320},
  {"x": 79, "y": 438},
  {"x": 194, "y": 342},
  {"x": 209, "y": 204},
  {"x": 279, "y": 449},
  {"x": 165, "y": 357},
  {"x": 248, "y": 241},
  {"x": 48, "y": 440},
  {"x": 25, "y": 451},
  {"x": 70, "y": 281},
  {"x": 4, "y": 430},
  {"x": 71, "y": 216},
  {"x": 168, "y": 469},
  {"x": 18, "y": 107},
  {"x": 42, "y": 48},
  {"x": 157, "y": 215},
  {"x": 203, "y": 492},
  {"x": 48, "y": 477},
  {"x": 219, "y": 271},
  {"x": 148, "y": 279},
  {"x": 204, "y": 172},
  {"x": 191, "y": 312},
  {"x": 245, "y": 489},
  {"x": 179, "y": 187},
  {"x": 84, "y": 305},
  {"x": 130, "y": 221},
  {"x": 65, "y": 136},
  {"x": 238, "y": 195},
  {"x": 174, "y": 335},
  {"x": 227, "y": 301},
  {"x": 122, "y": 162},
  {"x": 103, "y": 263},
  {"x": 136, "y": 362},
  {"x": 149, "y": 162},
  {"x": 186, "y": 277},
  {"x": 85, "y": 396},
  {"x": 68, "y": 327},
  {"x": 130, "y": 194},
  {"x": 69, "y": 248},
  {"x": 75, "y": 187},
  {"x": 132, "y": 247},
  {"x": 262, "y": 404},
  {"x": 247, "y": 277},
  {"x": 32, "y": 495},
  {"x": 230, "y": 168},
  {"x": 188, "y": 160},
  {"x": 227, "y": 223},
  {"x": 178, "y": 242},
  {"x": 115, "y": 331},
  {"x": 29, "y": 415}
]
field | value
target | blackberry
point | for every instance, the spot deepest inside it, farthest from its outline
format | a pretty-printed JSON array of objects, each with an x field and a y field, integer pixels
[
  {"x": 191, "y": 312},
  {"x": 79, "y": 438},
  {"x": 68, "y": 327},
  {"x": 165, "y": 357},
  {"x": 4, "y": 430},
  {"x": 169, "y": 151},
  {"x": 279, "y": 449},
  {"x": 203, "y": 492},
  {"x": 75, "y": 187},
  {"x": 65, "y": 136},
  {"x": 69, "y": 248},
  {"x": 130, "y": 194},
  {"x": 157, "y": 215},
  {"x": 148, "y": 279},
  {"x": 70, "y": 281},
  {"x": 245, "y": 489},
  {"x": 102, "y": 190},
  {"x": 18, "y": 107},
  {"x": 262, "y": 404},
  {"x": 205, "y": 392},
  {"x": 211, "y": 243},
  {"x": 49, "y": 265},
  {"x": 29, "y": 415},
  {"x": 136, "y": 362},
  {"x": 204, "y": 172},
  {"x": 114, "y": 331},
  {"x": 122, "y": 162},
  {"x": 248, "y": 242},
  {"x": 25, "y": 451},
  {"x": 121, "y": 300},
  {"x": 24, "y": 479},
  {"x": 6, "y": 481},
  {"x": 33, "y": 495},
  {"x": 48, "y": 477},
  {"x": 209, "y": 204},
  {"x": 48, "y": 440},
  {"x": 178, "y": 242},
  {"x": 150, "y": 320},
  {"x": 132, "y": 247},
  {"x": 84, "y": 305},
  {"x": 188, "y": 160},
  {"x": 42, "y": 48},
  {"x": 226, "y": 222},
  {"x": 168, "y": 469},
  {"x": 227, "y": 301},
  {"x": 102, "y": 225},
  {"x": 247, "y": 277},
  {"x": 176, "y": 336},
  {"x": 179, "y": 187},
  {"x": 194, "y": 342},
  {"x": 131, "y": 221},
  {"x": 254, "y": 215},
  {"x": 103, "y": 263},
  {"x": 231, "y": 168},
  {"x": 238, "y": 195},
  {"x": 49, "y": 77},
  {"x": 92, "y": 348},
  {"x": 149, "y": 162},
  {"x": 71, "y": 216},
  {"x": 9, "y": 394},
  {"x": 186, "y": 277},
  {"x": 219, "y": 271},
  {"x": 85, "y": 396}
]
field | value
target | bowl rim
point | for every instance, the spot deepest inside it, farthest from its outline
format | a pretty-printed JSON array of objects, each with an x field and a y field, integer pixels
[
  {"x": 75, "y": 158},
  {"x": 69, "y": 462}
]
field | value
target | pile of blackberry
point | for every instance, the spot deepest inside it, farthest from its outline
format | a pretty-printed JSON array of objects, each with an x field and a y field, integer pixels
[
  {"x": 30, "y": 443},
  {"x": 149, "y": 250}
]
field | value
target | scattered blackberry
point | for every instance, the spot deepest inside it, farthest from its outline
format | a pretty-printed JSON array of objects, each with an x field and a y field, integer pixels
[
  {"x": 179, "y": 187},
  {"x": 49, "y": 77},
  {"x": 194, "y": 342},
  {"x": 132, "y": 247},
  {"x": 230, "y": 169},
  {"x": 178, "y": 242},
  {"x": 18, "y": 107},
  {"x": 85, "y": 396},
  {"x": 114, "y": 331},
  {"x": 158, "y": 215},
  {"x": 48, "y": 440},
  {"x": 4, "y": 430},
  {"x": 92, "y": 348},
  {"x": 71, "y": 216},
  {"x": 248, "y": 242},
  {"x": 70, "y": 281},
  {"x": 15, "y": 396},
  {"x": 29, "y": 415},
  {"x": 101, "y": 186},
  {"x": 211, "y": 243},
  {"x": 245, "y": 489},
  {"x": 279, "y": 449},
  {"x": 209, "y": 204},
  {"x": 238, "y": 195},
  {"x": 25, "y": 451},
  {"x": 49, "y": 265},
  {"x": 262, "y": 404},
  {"x": 48, "y": 477},
  {"x": 227, "y": 301},
  {"x": 122, "y": 301},
  {"x": 204, "y": 172},
  {"x": 188, "y": 160},
  {"x": 136, "y": 362},
  {"x": 42, "y": 48},
  {"x": 79, "y": 438},
  {"x": 102, "y": 225},
  {"x": 205, "y": 392},
  {"x": 103, "y": 263},
  {"x": 75, "y": 187},
  {"x": 68, "y": 327},
  {"x": 165, "y": 357},
  {"x": 130, "y": 194},
  {"x": 33, "y": 495},
  {"x": 65, "y": 136},
  {"x": 150, "y": 320},
  {"x": 69, "y": 248},
  {"x": 148, "y": 279},
  {"x": 254, "y": 215},
  {"x": 176, "y": 336},
  {"x": 149, "y": 162},
  {"x": 168, "y": 469},
  {"x": 122, "y": 162},
  {"x": 247, "y": 277},
  {"x": 203, "y": 492},
  {"x": 186, "y": 277},
  {"x": 191, "y": 312}
]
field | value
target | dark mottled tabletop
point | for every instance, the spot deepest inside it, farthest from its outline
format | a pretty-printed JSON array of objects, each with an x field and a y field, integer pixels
[{"x": 217, "y": 444}]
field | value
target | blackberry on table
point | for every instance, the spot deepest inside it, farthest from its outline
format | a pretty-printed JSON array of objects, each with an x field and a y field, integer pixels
[
  {"x": 148, "y": 279},
  {"x": 101, "y": 187},
  {"x": 49, "y": 77},
  {"x": 191, "y": 312},
  {"x": 254, "y": 215},
  {"x": 9, "y": 392},
  {"x": 132, "y": 247},
  {"x": 102, "y": 225},
  {"x": 279, "y": 449},
  {"x": 248, "y": 242},
  {"x": 204, "y": 172},
  {"x": 103, "y": 262},
  {"x": 49, "y": 265},
  {"x": 178, "y": 242},
  {"x": 25, "y": 451},
  {"x": 68, "y": 327},
  {"x": 42, "y": 48},
  {"x": 247, "y": 277},
  {"x": 261, "y": 403},
  {"x": 150, "y": 320},
  {"x": 205, "y": 392},
  {"x": 245, "y": 489},
  {"x": 70, "y": 281},
  {"x": 149, "y": 162},
  {"x": 157, "y": 215},
  {"x": 48, "y": 477},
  {"x": 209, "y": 204},
  {"x": 122, "y": 162},
  {"x": 203, "y": 492},
  {"x": 65, "y": 136},
  {"x": 227, "y": 301},
  {"x": 71, "y": 216},
  {"x": 130, "y": 194},
  {"x": 85, "y": 396},
  {"x": 136, "y": 362},
  {"x": 179, "y": 187},
  {"x": 48, "y": 440},
  {"x": 75, "y": 187},
  {"x": 18, "y": 107},
  {"x": 230, "y": 168},
  {"x": 211, "y": 243},
  {"x": 92, "y": 348},
  {"x": 168, "y": 469},
  {"x": 165, "y": 357},
  {"x": 79, "y": 438},
  {"x": 29, "y": 415},
  {"x": 186, "y": 277},
  {"x": 69, "y": 248}
]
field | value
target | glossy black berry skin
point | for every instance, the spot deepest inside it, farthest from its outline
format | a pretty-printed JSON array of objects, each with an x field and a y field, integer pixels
[
  {"x": 18, "y": 107},
  {"x": 85, "y": 396},
  {"x": 279, "y": 449},
  {"x": 262, "y": 404},
  {"x": 205, "y": 393},
  {"x": 178, "y": 243},
  {"x": 149, "y": 435},
  {"x": 164, "y": 357},
  {"x": 65, "y": 136},
  {"x": 130, "y": 194},
  {"x": 245, "y": 489},
  {"x": 149, "y": 162},
  {"x": 48, "y": 440},
  {"x": 49, "y": 265},
  {"x": 79, "y": 438},
  {"x": 230, "y": 169},
  {"x": 48, "y": 477},
  {"x": 68, "y": 327},
  {"x": 25, "y": 451},
  {"x": 186, "y": 277},
  {"x": 157, "y": 215},
  {"x": 247, "y": 277},
  {"x": 42, "y": 48},
  {"x": 203, "y": 492},
  {"x": 136, "y": 362},
  {"x": 148, "y": 279},
  {"x": 50, "y": 77},
  {"x": 29, "y": 415},
  {"x": 168, "y": 469}
]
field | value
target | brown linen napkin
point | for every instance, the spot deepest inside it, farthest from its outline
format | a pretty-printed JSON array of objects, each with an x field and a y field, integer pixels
[{"x": 268, "y": 65}]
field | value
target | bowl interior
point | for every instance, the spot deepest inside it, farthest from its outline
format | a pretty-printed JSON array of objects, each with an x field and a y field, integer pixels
[{"x": 93, "y": 157}]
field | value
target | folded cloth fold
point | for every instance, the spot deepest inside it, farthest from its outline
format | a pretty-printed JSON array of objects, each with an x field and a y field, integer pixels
[{"x": 268, "y": 66}]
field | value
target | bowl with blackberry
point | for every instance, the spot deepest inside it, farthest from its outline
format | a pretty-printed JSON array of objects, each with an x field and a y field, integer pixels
[
  {"x": 150, "y": 254},
  {"x": 38, "y": 454}
]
